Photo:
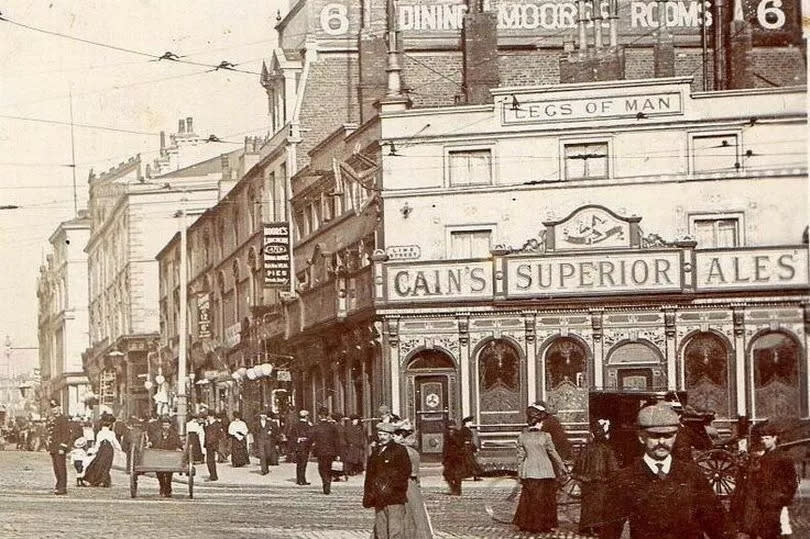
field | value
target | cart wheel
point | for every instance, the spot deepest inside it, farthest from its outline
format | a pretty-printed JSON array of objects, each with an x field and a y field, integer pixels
[
  {"x": 133, "y": 484},
  {"x": 569, "y": 498},
  {"x": 191, "y": 485},
  {"x": 720, "y": 468},
  {"x": 501, "y": 499}
]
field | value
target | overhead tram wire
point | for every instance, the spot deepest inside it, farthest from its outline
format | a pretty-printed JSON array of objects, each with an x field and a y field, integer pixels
[
  {"x": 84, "y": 126},
  {"x": 223, "y": 65}
]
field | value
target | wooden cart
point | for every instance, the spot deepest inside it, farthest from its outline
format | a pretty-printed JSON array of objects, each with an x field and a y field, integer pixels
[{"x": 144, "y": 459}]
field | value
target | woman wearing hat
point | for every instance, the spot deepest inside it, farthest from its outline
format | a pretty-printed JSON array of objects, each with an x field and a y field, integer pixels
[
  {"x": 355, "y": 449},
  {"x": 97, "y": 472},
  {"x": 595, "y": 464},
  {"x": 417, "y": 520},
  {"x": 537, "y": 461}
]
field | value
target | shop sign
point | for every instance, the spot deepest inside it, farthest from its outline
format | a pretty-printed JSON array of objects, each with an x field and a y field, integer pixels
[
  {"x": 438, "y": 281},
  {"x": 594, "y": 274},
  {"x": 591, "y": 108},
  {"x": 752, "y": 268},
  {"x": 203, "y": 316},
  {"x": 216, "y": 375},
  {"x": 233, "y": 335},
  {"x": 276, "y": 255},
  {"x": 283, "y": 376}
]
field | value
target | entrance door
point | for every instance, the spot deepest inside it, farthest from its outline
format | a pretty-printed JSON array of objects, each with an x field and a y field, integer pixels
[
  {"x": 635, "y": 379},
  {"x": 431, "y": 412}
]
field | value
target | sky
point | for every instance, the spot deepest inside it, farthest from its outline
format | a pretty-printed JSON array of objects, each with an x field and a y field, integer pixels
[{"x": 113, "y": 89}]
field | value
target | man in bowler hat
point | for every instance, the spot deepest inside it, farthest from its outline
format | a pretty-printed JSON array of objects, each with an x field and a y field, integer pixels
[
  {"x": 326, "y": 446},
  {"x": 663, "y": 497},
  {"x": 58, "y": 428},
  {"x": 301, "y": 440}
]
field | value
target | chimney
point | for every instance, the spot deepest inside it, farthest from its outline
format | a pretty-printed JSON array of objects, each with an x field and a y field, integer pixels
[
  {"x": 394, "y": 99},
  {"x": 664, "y": 48},
  {"x": 162, "y": 140},
  {"x": 596, "y": 17},
  {"x": 479, "y": 44},
  {"x": 597, "y": 63},
  {"x": 614, "y": 23},
  {"x": 719, "y": 23},
  {"x": 181, "y": 126},
  {"x": 372, "y": 58},
  {"x": 189, "y": 129},
  {"x": 740, "y": 47}
]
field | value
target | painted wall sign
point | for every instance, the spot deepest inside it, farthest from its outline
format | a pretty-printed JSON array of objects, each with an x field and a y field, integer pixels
[
  {"x": 771, "y": 19},
  {"x": 276, "y": 254},
  {"x": 439, "y": 281},
  {"x": 594, "y": 274},
  {"x": 233, "y": 334},
  {"x": 563, "y": 110},
  {"x": 754, "y": 268}
]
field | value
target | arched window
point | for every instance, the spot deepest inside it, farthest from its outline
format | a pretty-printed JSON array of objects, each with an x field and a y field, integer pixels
[
  {"x": 775, "y": 357},
  {"x": 636, "y": 365},
  {"x": 499, "y": 384},
  {"x": 431, "y": 359},
  {"x": 567, "y": 379},
  {"x": 706, "y": 364}
]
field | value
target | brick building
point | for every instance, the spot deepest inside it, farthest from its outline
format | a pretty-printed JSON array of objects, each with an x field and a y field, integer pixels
[{"x": 63, "y": 319}]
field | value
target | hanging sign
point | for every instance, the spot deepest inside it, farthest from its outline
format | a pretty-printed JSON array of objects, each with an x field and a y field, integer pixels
[
  {"x": 276, "y": 253},
  {"x": 203, "y": 316}
]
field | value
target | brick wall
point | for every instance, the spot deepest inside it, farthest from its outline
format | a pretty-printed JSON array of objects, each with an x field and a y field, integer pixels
[
  {"x": 781, "y": 65},
  {"x": 480, "y": 43},
  {"x": 432, "y": 79},
  {"x": 529, "y": 68}
]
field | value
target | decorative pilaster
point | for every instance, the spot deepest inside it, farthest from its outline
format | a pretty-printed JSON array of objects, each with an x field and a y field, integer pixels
[
  {"x": 529, "y": 322},
  {"x": 598, "y": 348},
  {"x": 741, "y": 382},
  {"x": 465, "y": 363},
  {"x": 673, "y": 381},
  {"x": 390, "y": 374}
]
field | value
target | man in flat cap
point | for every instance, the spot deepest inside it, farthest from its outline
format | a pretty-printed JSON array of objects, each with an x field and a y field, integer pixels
[
  {"x": 58, "y": 429},
  {"x": 663, "y": 498},
  {"x": 386, "y": 485},
  {"x": 165, "y": 438},
  {"x": 301, "y": 440}
]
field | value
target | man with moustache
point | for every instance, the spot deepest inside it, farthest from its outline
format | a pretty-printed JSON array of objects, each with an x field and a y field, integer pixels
[
  {"x": 386, "y": 485},
  {"x": 663, "y": 498}
]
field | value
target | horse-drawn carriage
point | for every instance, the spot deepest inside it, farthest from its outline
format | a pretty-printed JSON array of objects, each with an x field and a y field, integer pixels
[{"x": 144, "y": 459}]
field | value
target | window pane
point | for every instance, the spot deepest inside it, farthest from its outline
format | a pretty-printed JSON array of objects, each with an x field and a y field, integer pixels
[
  {"x": 472, "y": 167},
  {"x": 704, "y": 234},
  {"x": 586, "y": 160},
  {"x": 470, "y": 244},
  {"x": 727, "y": 233},
  {"x": 714, "y": 153}
]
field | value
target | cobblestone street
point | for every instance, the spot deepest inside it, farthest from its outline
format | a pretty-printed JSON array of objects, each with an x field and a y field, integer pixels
[{"x": 271, "y": 506}]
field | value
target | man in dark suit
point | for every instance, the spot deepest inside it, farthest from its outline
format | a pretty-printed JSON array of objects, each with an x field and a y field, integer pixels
[
  {"x": 265, "y": 436},
  {"x": 300, "y": 438},
  {"x": 663, "y": 497},
  {"x": 166, "y": 438},
  {"x": 326, "y": 446},
  {"x": 386, "y": 485},
  {"x": 58, "y": 429},
  {"x": 213, "y": 435}
]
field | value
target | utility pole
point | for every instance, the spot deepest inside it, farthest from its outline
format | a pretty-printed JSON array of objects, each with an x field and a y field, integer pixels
[
  {"x": 73, "y": 159},
  {"x": 182, "y": 326}
]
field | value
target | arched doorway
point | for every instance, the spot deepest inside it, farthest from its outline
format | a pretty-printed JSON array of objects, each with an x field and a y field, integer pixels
[
  {"x": 566, "y": 370},
  {"x": 431, "y": 378},
  {"x": 636, "y": 365},
  {"x": 500, "y": 385},
  {"x": 706, "y": 362},
  {"x": 775, "y": 361}
]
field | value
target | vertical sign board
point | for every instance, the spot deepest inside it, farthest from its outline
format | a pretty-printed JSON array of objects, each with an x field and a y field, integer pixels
[
  {"x": 276, "y": 253},
  {"x": 203, "y": 316}
]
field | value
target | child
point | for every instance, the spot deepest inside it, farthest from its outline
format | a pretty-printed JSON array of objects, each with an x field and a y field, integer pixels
[{"x": 78, "y": 456}]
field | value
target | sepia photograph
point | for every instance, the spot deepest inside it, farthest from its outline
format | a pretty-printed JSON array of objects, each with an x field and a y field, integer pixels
[{"x": 404, "y": 269}]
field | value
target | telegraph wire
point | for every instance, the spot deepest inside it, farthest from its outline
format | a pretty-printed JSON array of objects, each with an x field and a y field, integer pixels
[{"x": 84, "y": 126}]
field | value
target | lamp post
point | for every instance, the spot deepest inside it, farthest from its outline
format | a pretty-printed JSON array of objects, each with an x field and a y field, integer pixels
[{"x": 182, "y": 330}]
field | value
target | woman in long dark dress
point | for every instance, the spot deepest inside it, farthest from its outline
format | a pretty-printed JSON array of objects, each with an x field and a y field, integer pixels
[
  {"x": 537, "y": 458},
  {"x": 596, "y": 463},
  {"x": 455, "y": 468},
  {"x": 355, "y": 449},
  {"x": 97, "y": 473},
  {"x": 238, "y": 431}
]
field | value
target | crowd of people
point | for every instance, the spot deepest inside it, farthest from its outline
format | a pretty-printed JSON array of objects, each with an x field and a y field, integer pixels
[{"x": 640, "y": 494}]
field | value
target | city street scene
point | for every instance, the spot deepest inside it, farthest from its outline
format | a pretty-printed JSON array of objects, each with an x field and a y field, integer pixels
[{"x": 404, "y": 269}]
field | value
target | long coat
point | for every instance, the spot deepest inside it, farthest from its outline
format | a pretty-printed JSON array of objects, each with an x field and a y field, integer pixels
[
  {"x": 387, "y": 472},
  {"x": 355, "y": 449},
  {"x": 768, "y": 485},
  {"x": 595, "y": 464},
  {"x": 58, "y": 428},
  {"x": 681, "y": 506},
  {"x": 326, "y": 440},
  {"x": 553, "y": 426},
  {"x": 213, "y": 435},
  {"x": 170, "y": 441},
  {"x": 455, "y": 465},
  {"x": 301, "y": 439}
]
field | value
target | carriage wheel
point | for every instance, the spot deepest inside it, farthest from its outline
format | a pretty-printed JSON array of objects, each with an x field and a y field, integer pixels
[
  {"x": 720, "y": 468},
  {"x": 569, "y": 497},
  {"x": 501, "y": 499}
]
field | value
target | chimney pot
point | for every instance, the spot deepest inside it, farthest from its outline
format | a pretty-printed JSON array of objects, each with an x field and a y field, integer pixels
[
  {"x": 181, "y": 126},
  {"x": 189, "y": 121}
]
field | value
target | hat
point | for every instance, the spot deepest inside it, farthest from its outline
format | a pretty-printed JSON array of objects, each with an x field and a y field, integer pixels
[
  {"x": 384, "y": 409},
  {"x": 54, "y": 403},
  {"x": 303, "y": 413},
  {"x": 387, "y": 427},
  {"x": 80, "y": 443},
  {"x": 466, "y": 419},
  {"x": 323, "y": 410},
  {"x": 264, "y": 413},
  {"x": 767, "y": 429},
  {"x": 354, "y": 416},
  {"x": 658, "y": 418},
  {"x": 166, "y": 419},
  {"x": 404, "y": 425},
  {"x": 538, "y": 406}
]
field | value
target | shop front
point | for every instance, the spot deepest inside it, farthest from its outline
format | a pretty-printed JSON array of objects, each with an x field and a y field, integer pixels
[{"x": 485, "y": 337}]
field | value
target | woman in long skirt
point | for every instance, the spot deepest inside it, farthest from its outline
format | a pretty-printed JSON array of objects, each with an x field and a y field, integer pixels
[
  {"x": 97, "y": 472},
  {"x": 238, "y": 431},
  {"x": 354, "y": 456},
  {"x": 417, "y": 520},
  {"x": 595, "y": 464},
  {"x": 195, "y": 439},
  {"x": 537, "y": 507}
]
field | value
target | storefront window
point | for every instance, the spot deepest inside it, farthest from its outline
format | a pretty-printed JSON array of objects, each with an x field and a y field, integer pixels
[
  {"x": 775, "y": 358},
  {"x": 566, "y": 379},
  {"x": 499, "y": 383},
  {"x": 706, "y": 373}
]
